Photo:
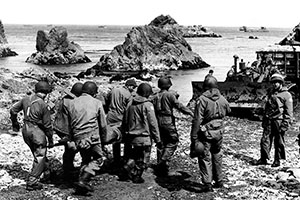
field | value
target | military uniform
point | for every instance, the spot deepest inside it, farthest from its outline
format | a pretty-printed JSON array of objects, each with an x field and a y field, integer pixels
[
  {"x": 164, "y": 102},
  {"x": 277, "y": 118},
  {"x": 140, "y": 127},
  {"x": 88, "y": 123},
  {"x": 37, "y": 127},
  {"x": 119, "y": 98},
  {"x": 62, "y": 128},
  {"x": 208, "y": 128}
]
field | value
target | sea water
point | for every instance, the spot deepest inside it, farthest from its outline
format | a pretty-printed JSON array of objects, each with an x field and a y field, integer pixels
[{"x": 98, "y": 40}]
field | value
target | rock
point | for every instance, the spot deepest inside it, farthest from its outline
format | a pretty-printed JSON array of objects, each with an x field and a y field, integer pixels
[
  {"x": 168, "y": 23},
  {"x": 4, "y": 49},
  {"x": 293, "y": 38},
  {"x": 149, "y": 48},
  {"x": 54, "y": 48}
]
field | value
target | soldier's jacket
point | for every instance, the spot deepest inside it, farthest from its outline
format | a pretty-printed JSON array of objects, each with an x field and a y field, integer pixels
[
  {"x": 86, "y": 116},
  {"x": 140, "y": 123},
  {"x": 36, "y": 111},
  {"x": 279, "y": 106},
  {"x": 119, "y": 98},
  {"x": 165, "y": 101},
  {"x": 61, "y": 122},
  {"x": 210, "y": 106}
]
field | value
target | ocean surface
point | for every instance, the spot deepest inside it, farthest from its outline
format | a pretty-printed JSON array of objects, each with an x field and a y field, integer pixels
[{"x": 98, "y": 40}]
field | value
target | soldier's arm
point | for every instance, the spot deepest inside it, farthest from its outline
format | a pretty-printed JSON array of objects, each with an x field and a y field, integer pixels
[
  {"x": 17, "y": 107},
  {"x": 152, "y": 121},
  {"x": 102, "y": 121},
  {"x": 287, "y": 112},
  {"x": 46, "y": 123},
  {"x": 180, "y": 106},
  {"x": 197, "y": 120}
]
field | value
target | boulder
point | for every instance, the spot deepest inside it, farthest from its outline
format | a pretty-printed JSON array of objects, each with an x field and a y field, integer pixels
[
  {"x": 4, "y": 49},
  {"x": 54, "y": 48},
  {"x": 149, "y": 48}
]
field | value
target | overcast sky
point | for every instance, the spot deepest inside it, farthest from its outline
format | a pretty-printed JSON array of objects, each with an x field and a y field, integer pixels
[{"x": 269, "y": 13}]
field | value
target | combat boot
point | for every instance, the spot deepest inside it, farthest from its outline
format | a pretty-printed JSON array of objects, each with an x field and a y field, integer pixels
[
  {"x": 162, "y": 169},
  {"x": 33, "y": 184},
  {"x": 276, "y": 163},
  {"x": 82, "y": 186},
  {"x": 206, "y": 188},
  {"x": 137, "y": 178}
]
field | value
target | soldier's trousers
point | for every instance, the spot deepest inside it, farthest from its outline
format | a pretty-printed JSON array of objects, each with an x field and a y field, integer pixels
[
  {"x": 35, "y": 138},
  {"x": 92, "y": 158},
  {"x": 68, "y": 159},
  {"x": 139, "y": 160},
  {"x": 210, "y": 164},
  {"x": 170, "y": 139},
  {"x": 272, "y": 132}
]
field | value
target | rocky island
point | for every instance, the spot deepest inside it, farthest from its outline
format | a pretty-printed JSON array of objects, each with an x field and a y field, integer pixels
[
  {"x": 4, "y": 49},
  {"x": 149, "y": 48},
  {"x": 167, "y": 22},
  {"x": 54, "y": 48}
]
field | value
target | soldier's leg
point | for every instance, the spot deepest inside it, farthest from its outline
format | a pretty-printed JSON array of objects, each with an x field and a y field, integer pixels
[
  {"x": 217, "y": 164},
  {"x": 36, "y": 140},
  {"x": 169, "y": 146},
  {"x": 205, "y": 166},
  {"x": 279, "y": 144},
  {"x": 266, "y": 144},
  {"x": 117, "y": 153}
]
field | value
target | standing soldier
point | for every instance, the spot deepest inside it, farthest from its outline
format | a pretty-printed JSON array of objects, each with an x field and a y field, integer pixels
[
  {"x": 88, "y": 123},
  {"x": 278, "y": 115},
  {"x": 164, "y": 102},
  {"x": 119, "y": 98},
  {"x": 140, "y": 128},
  {"x": 37, "y": 127},
  {"x": 62, "y": 128},
  {"x": 208, "y": 129}
]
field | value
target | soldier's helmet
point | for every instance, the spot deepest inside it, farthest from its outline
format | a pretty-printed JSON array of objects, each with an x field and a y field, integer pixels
[
  {"x": 210, "y": 82},
  {"x": 277, "y": 78},
  {"x": 77, "y": 89},
  {"x": 199, "y": 148},
  {"x": 131, "y": 82},
  {"x": 164, "y": 83},
  {"x": 144, "y": 90},
  {"x": 42, "y": 87},
  {"x": 90, "y": 88}
]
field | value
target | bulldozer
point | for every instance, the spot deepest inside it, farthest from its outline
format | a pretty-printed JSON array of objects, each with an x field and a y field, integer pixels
[{"x": 247, "y": 87}]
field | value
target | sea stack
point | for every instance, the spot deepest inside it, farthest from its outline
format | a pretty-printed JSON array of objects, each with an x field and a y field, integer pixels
[
  {"x": 149, "y": 48},
  {"x": 4, "y": 49},
  {"x": 167, "y": 22},
  {"x": 54, "y": 48}
]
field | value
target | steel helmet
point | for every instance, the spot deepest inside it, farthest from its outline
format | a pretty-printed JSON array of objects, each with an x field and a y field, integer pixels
[
  {"x": 77, "y": 89},
  {"x": 277, "y": 78},
  {"x": 144, "y": 90},
  {"x": 199, "y": 148},
  {"x": 131, "y": 82},
  {"x": 42, "y": 87},
  {"x": 90, "y": 88},
  {"x": 164, "y": 83},
  {"x": 210, "y": 82}
]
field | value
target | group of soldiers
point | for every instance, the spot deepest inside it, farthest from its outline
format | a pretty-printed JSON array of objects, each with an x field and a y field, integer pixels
[{"x": 86, "y": 124}]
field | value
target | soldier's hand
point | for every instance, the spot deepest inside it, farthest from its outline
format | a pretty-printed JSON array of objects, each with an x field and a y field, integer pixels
[
  {"x": 71, "y": 145},
  {"x": 159, "y": 145},
  {"x": 16, "y": 127},
  {"x": 50, "y": 142}
]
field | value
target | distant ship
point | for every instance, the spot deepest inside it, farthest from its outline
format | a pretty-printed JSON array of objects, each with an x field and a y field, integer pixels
[
  {"x": 246, "y": 29},
  {"x": 101, "y": 26}
]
